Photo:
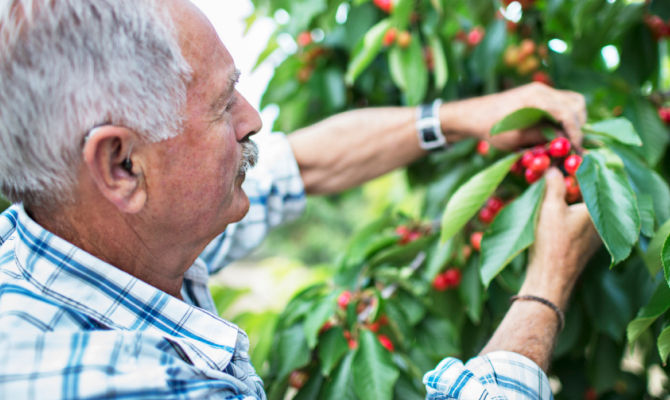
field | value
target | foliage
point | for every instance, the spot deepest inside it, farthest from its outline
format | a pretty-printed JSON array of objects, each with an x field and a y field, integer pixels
[{"x": 459, "y": 49}]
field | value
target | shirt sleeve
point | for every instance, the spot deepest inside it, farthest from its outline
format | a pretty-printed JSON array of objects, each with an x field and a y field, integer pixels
[
  {"x": 108, "y": 364},
  {"x": 276, "y": 195},
  {"x": 499, "y": 375}
]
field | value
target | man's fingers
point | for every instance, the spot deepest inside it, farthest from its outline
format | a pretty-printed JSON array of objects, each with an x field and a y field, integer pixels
[{"x": 555, "y": 186}]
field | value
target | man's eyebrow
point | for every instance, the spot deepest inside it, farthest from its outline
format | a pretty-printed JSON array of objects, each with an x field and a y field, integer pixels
[{"x": 220, "y": 101}]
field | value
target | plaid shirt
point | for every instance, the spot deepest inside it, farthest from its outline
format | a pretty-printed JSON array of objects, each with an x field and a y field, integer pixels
[{"x": 73, "y": 326}]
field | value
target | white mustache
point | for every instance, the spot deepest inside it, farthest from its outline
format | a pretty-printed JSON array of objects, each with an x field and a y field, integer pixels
[{"x": 249, "y": 156}]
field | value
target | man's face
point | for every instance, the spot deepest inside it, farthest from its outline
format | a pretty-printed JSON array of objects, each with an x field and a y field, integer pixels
[{"x": 194, "y": 182}]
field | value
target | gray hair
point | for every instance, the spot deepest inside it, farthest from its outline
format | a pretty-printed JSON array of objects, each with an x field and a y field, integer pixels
[{"x": 68, "y": 65}]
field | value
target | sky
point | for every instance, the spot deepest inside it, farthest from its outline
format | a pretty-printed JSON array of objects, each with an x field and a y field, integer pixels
[{"x": 228, "y": 16}]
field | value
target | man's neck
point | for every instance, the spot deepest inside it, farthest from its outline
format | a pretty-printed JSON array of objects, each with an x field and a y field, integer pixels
[{"x": 121, "y": 242}]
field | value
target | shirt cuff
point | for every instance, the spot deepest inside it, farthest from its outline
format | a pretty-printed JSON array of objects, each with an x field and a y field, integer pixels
[{"x": 497, "y": 375}]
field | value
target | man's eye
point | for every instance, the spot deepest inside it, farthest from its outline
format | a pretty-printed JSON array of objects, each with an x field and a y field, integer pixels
[{"x": 231, "y": 104}]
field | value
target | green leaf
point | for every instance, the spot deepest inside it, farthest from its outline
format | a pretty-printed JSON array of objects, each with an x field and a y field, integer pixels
[
  {"x": 654, "y": 135},
  {"x": 645, "y": 204},
  {"x": 652, "y": 258},
  {"x": 373, "y": 370},
  {"x": 611, "y": 204},
  {"x": 311, "y": 389},
  {"x": 511, "y": 232},
  {"x": 332, "y": 347},
  {"x": 664, "y": 345},
  {"x": 224, "y": 296},
  {"x": 657, "y": 305},
  {"x": 646, "y": 181},
  {"x": 665, "y": 258},
  {"x": 260, "y": 327},
  {"x": 619, "y": 129},
  {"x": 366, "y": 50},
  {"x": 471, "y": 291},
  {"x": 270, "y": 48},
  {"x": 440, "y": 65},
  {"x": 521, "y": 119},
  {"x": 341, "y": 387},
  {"x": 470, "y": 197},
  {"x": 318, "y": 316},
  {"x": 402, "y": 11},
  {"x": 408, "y": 70},
  {"x": 292, "y": 351}
]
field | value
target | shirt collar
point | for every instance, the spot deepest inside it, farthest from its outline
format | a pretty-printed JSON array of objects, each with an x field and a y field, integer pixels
[{"x": 115, "y": 298}]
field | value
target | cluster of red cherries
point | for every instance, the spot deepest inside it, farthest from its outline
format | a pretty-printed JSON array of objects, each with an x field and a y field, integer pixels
[
  {"x": 536, "y": 161},
  {"x": 449, "y": 279},
  {"x": 343, "y": 302}
]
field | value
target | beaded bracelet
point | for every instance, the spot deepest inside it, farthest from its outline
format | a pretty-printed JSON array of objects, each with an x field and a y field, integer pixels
[{"x": 554, "y": 307}]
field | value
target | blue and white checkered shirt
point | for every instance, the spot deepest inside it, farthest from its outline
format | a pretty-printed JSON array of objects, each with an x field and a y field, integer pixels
[{"x": 73, "y": 326}]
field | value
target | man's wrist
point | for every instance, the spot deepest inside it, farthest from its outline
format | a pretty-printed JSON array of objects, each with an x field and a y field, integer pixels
[{"x": 457, "y": 122}]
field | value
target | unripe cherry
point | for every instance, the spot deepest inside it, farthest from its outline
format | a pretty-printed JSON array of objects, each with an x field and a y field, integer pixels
[
  {"x": 476, "y": 240},
  {"x": 404, "y": 39},
  {"x": 483, "y": 147},
  {"x": 572, "y": 163},
  {"x": 532, "y": 176},
  {"x": 540, "y": 164},
  {"x": 559, "y": 147}
]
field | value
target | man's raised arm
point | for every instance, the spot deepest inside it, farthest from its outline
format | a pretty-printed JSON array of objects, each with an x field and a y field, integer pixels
[{"x": 353, "y": 147}]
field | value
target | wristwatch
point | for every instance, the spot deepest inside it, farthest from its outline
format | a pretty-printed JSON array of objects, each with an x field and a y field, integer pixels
[{"x": 428, "y": 127}]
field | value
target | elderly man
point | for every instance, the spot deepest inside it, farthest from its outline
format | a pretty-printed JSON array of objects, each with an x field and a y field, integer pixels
[{"x": 124, "y": 149}]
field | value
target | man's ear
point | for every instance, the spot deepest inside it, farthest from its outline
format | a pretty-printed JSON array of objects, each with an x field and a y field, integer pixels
[{"x": 109, "y": 159}]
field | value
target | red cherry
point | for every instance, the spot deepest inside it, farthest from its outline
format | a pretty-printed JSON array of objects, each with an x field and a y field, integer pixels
[
  {"x": 453, "y": 277},
  {"x": 326, "y": 326},
  {"x": 386, "y": 342},
  {"x": 297, "y": 379},
  {"x": 353, "y": 344},
  {"x": 483, "y": 147},
  {"x": 527, "y": 158},
  {"x": 572, "y": 163},
  {"x": 344, "y": 299},
  {"x": 559, "y": 147},
  {"x": 542, "y": 77},
  {"x": 476, "y": 240},
  {"x": 486, "y": 215},
  {"x": 532, "y": 176},
  {"x": 390, "y": 36},
  {"x": 517, "y": 168},
  {"x": 572, "y": 192},
  {"x": 440, "y": 283},
  {"x": 495, "y": 204},
  {"x": 664, "y": 114},
  {"x": 475, "y": 36},
  {"x": 540, "y": 164},
  {"x": 304, "y": 39},
  {"x": 347, "y": 335},
  {"x": 412, "y": 236},
  {"x": 384, "y": 5},
  {"x": 384, "y": 320},
  {"x": 374, "y": 327},
  {"x": 590, "y": 394}
]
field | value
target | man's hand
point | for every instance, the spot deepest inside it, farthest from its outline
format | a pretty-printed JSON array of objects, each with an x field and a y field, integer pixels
[
  {"x": 565, "y": 240},
  {"x": 568, "y": 108}
]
